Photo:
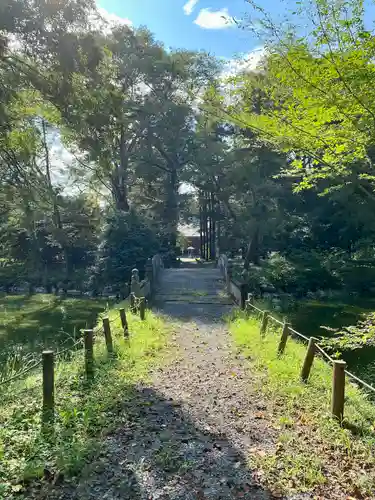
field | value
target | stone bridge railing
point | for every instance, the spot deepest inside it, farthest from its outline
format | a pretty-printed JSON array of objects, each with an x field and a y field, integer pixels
[
  {"x": 236, "y": 289},
  {"x": 146, "y": 287}
]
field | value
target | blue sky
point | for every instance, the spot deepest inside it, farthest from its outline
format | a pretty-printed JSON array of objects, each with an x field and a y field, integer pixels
[{"x": 192, "y": 24}]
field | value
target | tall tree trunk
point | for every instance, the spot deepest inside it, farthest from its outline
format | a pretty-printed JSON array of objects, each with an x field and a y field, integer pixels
[
  {"x": 206, "y": 229},
  {"x": 172, "y": 213},
  {"x": 119, "y": 191},
  {"x": 120, "y": 179},
  {"x": 201, "y": 228},
  {"x": 56, "y": 210},
  {"x": 252, "y": 254},
  {"x": 213, "y": 230},
  {"x": 34, "y": 257}
]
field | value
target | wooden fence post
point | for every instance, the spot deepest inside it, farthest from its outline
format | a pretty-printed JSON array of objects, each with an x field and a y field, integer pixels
[
  {"x": 263, "y": 326},
  {"x": 250, "y": 298},
  {"x": 89, "y": 352},
  {"x": 133, "y": 307},
  {"x": 48, "y": 387},
  {"x": 309, "y": 358},
  {"x": 142, "y": 308},
  {"x": 283, "y": 339},
  {"x": 338, "y": 389},
  {"x": 124, "y": 323},
  {"x": 108, "y": 335}
]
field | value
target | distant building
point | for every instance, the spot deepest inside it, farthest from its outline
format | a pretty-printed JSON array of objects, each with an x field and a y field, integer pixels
[{"x": 191, "y": 237}]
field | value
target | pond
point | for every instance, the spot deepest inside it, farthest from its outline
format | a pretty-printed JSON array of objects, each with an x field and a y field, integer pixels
[
  {"x": 309, "y": 316},
  {"x": 31, "y": 323}
]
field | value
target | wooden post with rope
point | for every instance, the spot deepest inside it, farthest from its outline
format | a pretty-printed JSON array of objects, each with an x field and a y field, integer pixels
[
  {"x": 124, "y": 323},
  {"x": 309, "y": 359},
  {"x": 283, "y": 339},
  {"x": 89, "y": 353},
  {"x": 108, "y": 335},
  {"x": 338, "y": 389},
  {"x": 48, "y": 387}
]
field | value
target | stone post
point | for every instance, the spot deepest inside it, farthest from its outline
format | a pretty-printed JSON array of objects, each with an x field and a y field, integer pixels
[
  {"x": 135, "y": 286},
  {"x": 149, "y": 274}
]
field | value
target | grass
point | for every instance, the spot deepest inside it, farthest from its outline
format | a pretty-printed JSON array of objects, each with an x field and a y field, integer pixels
[
  {"x": 30, "y": 323},
  {"x": 84, "y": 411},
  {"x": 312, "y": 452},
  {"x": 309, "y": 316}
]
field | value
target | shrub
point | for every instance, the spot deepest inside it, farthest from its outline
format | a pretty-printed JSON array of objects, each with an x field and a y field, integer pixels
[
  {"x": 297, "y": 273},
  {"x": 126, "y": 242},
  {"x": 357, "y": 278}
]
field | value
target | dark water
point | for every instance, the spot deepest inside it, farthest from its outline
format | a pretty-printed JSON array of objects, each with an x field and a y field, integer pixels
[
  {"x": 310, "y": 316},
  {"x": 29, "y": 324}
]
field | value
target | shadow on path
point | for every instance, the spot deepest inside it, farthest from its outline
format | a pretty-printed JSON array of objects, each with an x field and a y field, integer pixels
[{"x": 159, "y": 453}]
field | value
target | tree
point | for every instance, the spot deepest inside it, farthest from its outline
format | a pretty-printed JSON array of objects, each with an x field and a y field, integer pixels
[
  {"x": 170, "y": 139},
  {"x": 126, "y": 243},
  {"x": 318, "y": 104}
]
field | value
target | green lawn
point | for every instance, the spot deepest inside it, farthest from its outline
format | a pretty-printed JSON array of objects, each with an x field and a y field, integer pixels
[
  {"x": 30, "y": 323},
  {"x": 84, "y": 411},
  {"x": 311, "y": 451}
]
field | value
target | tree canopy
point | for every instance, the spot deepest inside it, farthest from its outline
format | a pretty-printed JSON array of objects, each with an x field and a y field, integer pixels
[{"x": 284, "y": 152}]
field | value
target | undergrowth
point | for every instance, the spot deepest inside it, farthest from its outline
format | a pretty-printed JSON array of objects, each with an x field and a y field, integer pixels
[
  {"x": 84, "y": 411},
  {"x": 312, "y": 451}
]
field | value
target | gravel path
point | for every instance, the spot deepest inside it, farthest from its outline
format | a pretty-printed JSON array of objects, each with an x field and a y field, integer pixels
[{"x": 187, "y": 434}]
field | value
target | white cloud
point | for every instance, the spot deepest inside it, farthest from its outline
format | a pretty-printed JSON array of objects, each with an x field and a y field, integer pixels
[
  {"x": 214, "y": 20},
  {"x": 106, "y": 21},
  {"x": 250, "y": 62},
  {"x": 113, "y": 18},
  {"x": 190, "y": 6},
  {"x": 246, "y": 62}
]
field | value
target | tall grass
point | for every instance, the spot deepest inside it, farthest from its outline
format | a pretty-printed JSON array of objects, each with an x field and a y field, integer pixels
[
  {"x": 311, "y": 449},
  {"x": 84, "y": 411}
]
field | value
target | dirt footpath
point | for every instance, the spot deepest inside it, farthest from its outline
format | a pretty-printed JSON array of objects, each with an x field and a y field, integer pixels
[{"x": 186, "y": 435}]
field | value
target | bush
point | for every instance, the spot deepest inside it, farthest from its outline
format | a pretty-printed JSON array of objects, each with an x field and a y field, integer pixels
[
  {"x": 357, "y": 278},
  {"x": 298, "y": 273},
  {"x": 280, "y": 272},
  {"x": 126, "y": 242}
]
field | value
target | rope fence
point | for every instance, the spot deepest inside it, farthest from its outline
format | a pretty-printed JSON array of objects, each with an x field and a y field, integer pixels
[
  {"x": 313, "y": 348},
  {"x": 50, "y": 357},
  {"x": 300, "y": 335},
  {"x": 21, "y": 374},
  {"x": 326, "y": 355},
  {"x": 138, "y": 305}
]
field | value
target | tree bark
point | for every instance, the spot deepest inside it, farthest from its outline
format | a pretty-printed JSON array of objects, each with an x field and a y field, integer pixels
[
  {"x": 172, "y": 214},
  {"x": 56, "y": 209},
  {"x": 201, "y": 228},
  {"x": 252, "y": 254},
  {"x": 206, "y": 229},
  {"x": 120, "y": 180},
  {"x": 213, "y": 228}
]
